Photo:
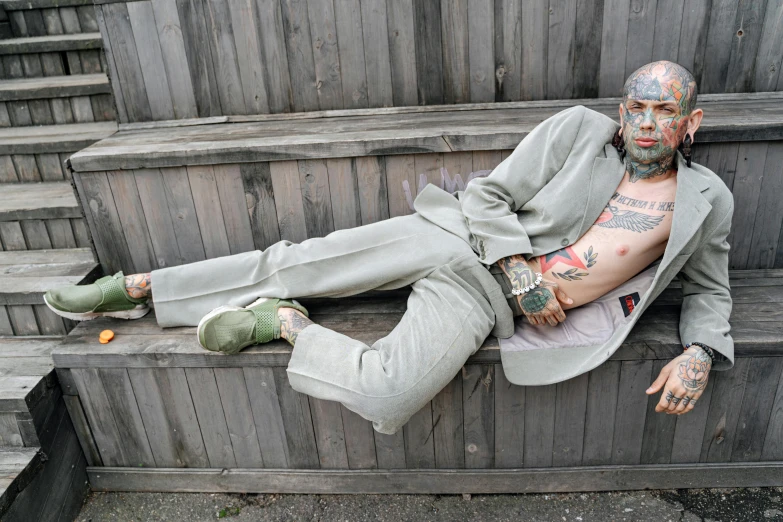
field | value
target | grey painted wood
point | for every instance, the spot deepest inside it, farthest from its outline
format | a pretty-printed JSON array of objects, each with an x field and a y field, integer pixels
[
  {"x": 740, "y": 74},
  {"x": 102, "y": 423},
  {"x": 419, "y": 443},
  {"x": 390, "y": 450},
  {"x": 641, "y": 32},
  {"x": 344, "y": 191},
  {"x": 272, "y": 39},
  {"x": 288, "y": 200},
  {"x": 326, "y": 61},
  {"x": 329, "y": 433},
  {"x": 635, "y": 377},
  {"x": 757, "y": 406},
  {"x": 611, "y": 74},
  {"x": 211, "y": 419},
  {"x": 179, "y": 200},
  {"x": 659, "y": 427},
  {"x": 535, "y": 42},
  {"x": 456, "y": 52},
  {"x": 561, "y": 49},
  {"x": 770, "y": 53},
  {"x": 371, "y": 176},
  {"x": 193, "y": 25},
  {"x": 539, "y": 425},
  {"x": 172, "y": 46},
  {"x": 350, "y": 52},
  {"x": 210, "y": 217},
  {"x": 359, "y": 440},
  {"x": 448, "y": 425},
  {"x": 260, "y": 199},
  {"x": 157, "y": 215},
  {"x": 111, "y": 63},
  {"x": 267, "y": 415},
  {"x": 234, "y": 206},
  {"x": 224, "y": 56},
  {"x": 570, "y": 412},
  {"x": 316, "y": 197},
  {"x": 239, "y": 417},
  {"x": 83, "y": 431},
  {"x": 689, "y": 431},
  {"x": 244, "y": 22},
  {"x": 478, "y": 402},
  {"x": 134, "y": 225},
  {"x": 295, "y": 414},
  {"x": 668, "y": 26},
  {"x": 402, "y": 52},
  {"x": 301, "y": 66},
  {"x": 725, "y": 402},
  {"x": 509, "y": 422},
  {"x": 721, "y": 36},
  {"x": 746, "y": 189},
  {"x": 429, "y": 57},
  {"x": 480, "y": 23},
  {"x": 400, "y": 173},
  {"x": 376, "y": 53}
]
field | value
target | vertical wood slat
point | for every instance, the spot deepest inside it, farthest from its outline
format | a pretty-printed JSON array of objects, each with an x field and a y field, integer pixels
[
  {"x": 481, "y": 59},
  {"x": 456, "y": 51},
  {"x": 747, "y": 190},
  {"x": 359, "y": 441},
  {"x": 288, "y": 200},
  {"x": 179, "y": 199},
  {"x": 419, "y": 444},
  {"x": 659, "y": 427},
  {"x": 773, "y": 439},
  {"x": 295, "y": 412},
  {"x": 765, "y": 240},
  {"x": 152, "y": 193},
  {"x": 770, "y": 54},
  {"x": 376, "y": 52},
  {"x": 208, "y": 210},
  {"x": 570, "y": 410},
  {"x": 561, "y": 49},
  {"x": 509, "y": 422},
  {"x": 350, "y": 54},
  {"x": 329, "y": 433},
  {"x": 602, "y": 389},
  {"x": 83, "y": 431},
  {"x": 693, "y": 36},
  {"x": 429, "y": 56},
  {"x": 234, "y": 207},
  {"x": 635, "y": 377},
  {"x": 757, "y": 406},
  {"x": 725, "y": 402},
  {"x": 323, "y": 33},
  {"x": 611, "y": 74},
  {"x": 199, "y": 57},
  {"x": 96, "y": 406},
  {"x": 344, "y": 192},
  {"x": 301, "y": 67},
  {"x": 390, "y": 450},
  {"x": 402, "y": 52},
  {"x": 400, "y": 184},
  {"x": 690, "y": 429},
  {"x": 260, "y": 199},
  {"x": 275, "y": 58},
  {"x": 478, "y": 399},
  {"x": 722, "y": 29},
  {"x": 211, "y": 419},
  {"x": 535, "y": 42},
  {"x": 316, "y": 197},
  {"x": 267, "y": 415},
  {"x": 134, "y": 225},
  {"x": 239, "y": 416},
  {"x": 250, "y": 62},
  {"x": 224, "y": 56},
  {"x": 539, "y": 425},
  {"x": 641, "y": 32},
  {"x": 448, "y": 426},
  {"x": 740, "y": 74}
]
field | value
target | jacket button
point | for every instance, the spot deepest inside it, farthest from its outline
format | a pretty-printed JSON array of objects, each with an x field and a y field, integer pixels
[{"x": 565, "y": 242}]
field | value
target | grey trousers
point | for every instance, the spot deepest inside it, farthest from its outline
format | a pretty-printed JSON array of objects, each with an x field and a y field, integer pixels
[{"x": 453, "y": 307}]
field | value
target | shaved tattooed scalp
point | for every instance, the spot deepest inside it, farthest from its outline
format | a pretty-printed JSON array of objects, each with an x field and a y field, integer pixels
[{"x": 657, "y": 101}]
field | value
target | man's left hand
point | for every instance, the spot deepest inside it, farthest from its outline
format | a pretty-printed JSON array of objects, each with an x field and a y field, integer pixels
[{"x": 683, "y": 381}]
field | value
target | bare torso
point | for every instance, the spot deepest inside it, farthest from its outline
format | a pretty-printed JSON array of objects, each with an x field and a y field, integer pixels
[{"x": 630, "y": 233}]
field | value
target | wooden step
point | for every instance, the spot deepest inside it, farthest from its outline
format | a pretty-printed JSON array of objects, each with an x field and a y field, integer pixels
[
  {"x": 51, "y": 200},
  {"x": 26, "y": 275},
  {"x": 51, "y": 43},
  {"x": 54, "y": 87},
  {"x": 18, "y": 467},
  {"x": 50, "y": 17}
]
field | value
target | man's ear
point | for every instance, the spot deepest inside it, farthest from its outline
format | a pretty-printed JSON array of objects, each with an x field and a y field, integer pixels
[
  {"x": 621, "y": 115},
  {"x": 694, "y": 121}
]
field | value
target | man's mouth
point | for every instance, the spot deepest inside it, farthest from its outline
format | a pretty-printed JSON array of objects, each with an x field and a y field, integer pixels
[{"x": 645, "y": 142}]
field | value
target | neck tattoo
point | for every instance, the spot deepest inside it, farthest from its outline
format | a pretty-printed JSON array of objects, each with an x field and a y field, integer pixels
[{"x": 637, "y": 170}]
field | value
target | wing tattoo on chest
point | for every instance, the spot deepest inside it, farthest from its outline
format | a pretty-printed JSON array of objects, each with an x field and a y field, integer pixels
[{"x": 614, "y": 217}]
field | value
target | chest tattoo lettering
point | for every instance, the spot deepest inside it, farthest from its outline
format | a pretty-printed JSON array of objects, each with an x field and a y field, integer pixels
[{"x": 660, "y": 206}]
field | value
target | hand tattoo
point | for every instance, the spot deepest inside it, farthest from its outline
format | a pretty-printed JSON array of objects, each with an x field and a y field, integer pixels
[
  {"x": 138, "y": 286},
  {"x": 693, "y": 371},
  {"x": 518, "y": 271}
]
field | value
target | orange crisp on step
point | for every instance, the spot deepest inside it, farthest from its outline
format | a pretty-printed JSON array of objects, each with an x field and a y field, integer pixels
[{"x": 106, "y": 336}]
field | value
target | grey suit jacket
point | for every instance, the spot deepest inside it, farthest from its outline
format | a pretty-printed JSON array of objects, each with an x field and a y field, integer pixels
[{"x": 545, "y": 196}]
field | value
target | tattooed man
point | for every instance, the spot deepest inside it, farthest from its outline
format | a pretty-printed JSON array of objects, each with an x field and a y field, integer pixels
[{"x": 583, "y": 202}]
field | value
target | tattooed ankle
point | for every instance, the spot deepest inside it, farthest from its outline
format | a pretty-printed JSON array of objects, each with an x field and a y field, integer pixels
[
  {"x": 292, "y": 322},
  {"x": 138, "y": 286}
]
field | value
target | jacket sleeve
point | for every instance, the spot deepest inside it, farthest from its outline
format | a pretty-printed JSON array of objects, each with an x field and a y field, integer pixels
[
  {"x": 489, "y": 204},
  {"x": 706, "y": 303}
]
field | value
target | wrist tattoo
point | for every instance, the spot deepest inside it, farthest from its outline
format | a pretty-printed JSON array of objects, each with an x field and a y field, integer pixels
[
  {"x": 138, "y": 286},
  {"x": 518, "y": 271},
  {"x": 291, "y": 324}
]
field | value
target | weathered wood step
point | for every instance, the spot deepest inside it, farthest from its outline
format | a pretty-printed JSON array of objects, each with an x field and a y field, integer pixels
[
  {"x": 51, "y": 43},
  {"x": 50, "y": 17},
  {"x": 18, "y": 467},
  {"x": 26, "y": 275},
  {"x": 54, "y": 87},
  {"x": 50, "y": 200},
  {"x": 404, "y": 130}
]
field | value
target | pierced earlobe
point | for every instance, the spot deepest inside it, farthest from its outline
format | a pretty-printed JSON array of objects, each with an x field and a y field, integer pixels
[
  {"x": 619, "y": 143},
  {"x": 685, "y": 148}
]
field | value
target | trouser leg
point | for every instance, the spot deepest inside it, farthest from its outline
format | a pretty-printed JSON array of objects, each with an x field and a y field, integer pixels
[
  {"x": 448, "y": 317},
  {"x": 384, "y": 255}
]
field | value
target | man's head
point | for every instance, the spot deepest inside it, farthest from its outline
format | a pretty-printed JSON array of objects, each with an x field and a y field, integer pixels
[{"x": 657, "y": 112}]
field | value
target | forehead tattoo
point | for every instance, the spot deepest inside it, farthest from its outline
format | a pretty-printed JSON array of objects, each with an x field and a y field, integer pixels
[{"x": 662, "y": 81}]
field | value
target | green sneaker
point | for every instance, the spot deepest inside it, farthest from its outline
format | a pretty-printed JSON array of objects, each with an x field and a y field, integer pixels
[
  {"x": 229, "y": 329},
  {"x": 106, "y": 297}
]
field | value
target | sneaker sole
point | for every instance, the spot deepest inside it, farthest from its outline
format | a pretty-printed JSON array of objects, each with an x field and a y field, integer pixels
[
  {"x": 137, "y": 313},
  {"x": 210, "y": 315}
]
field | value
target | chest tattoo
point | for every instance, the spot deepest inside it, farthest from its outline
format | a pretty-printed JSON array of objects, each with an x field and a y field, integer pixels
[
  {"x": 660, "y": 206},
  {"x": 614, "y": 217}
]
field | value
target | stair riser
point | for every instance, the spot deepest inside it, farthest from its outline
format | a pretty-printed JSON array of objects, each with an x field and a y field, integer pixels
[
  {"x": 52, "y": 21},
  {"x": 55, "y": 111},
  {"x": 45, "y": 233},
  {"x": 59, "y": 63},
  {"x": 26, "y": 319},
  {"x": 24, "y": 168}
]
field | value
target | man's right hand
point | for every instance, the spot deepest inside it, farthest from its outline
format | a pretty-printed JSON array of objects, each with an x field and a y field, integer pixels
[{"x": 541, "y": 305}]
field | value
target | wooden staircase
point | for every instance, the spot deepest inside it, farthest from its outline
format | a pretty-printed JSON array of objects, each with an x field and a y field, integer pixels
[{"x": 54, "y": 100}]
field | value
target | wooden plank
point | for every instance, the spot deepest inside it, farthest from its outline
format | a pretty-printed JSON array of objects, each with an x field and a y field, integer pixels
[
  {"x": 740, "y": 73},
  {"x": 60, "y": 233},
  {"x": 295, "y": 414},
  {"x": 169, "y": 417},
  {"x": 265, "y": 403},
  {"x": 288, "y": 200},
  {"x": 70, "y": 20},
  {"x": 81, "y": 106},
  {"x": 722, "y": 31},
  {"x": 770, "y": 54},
  {"x": 9, "y": 431},
  {"x": 26, "y": 168},
  {"x": 641, "y": 35},
  {"x": 419, "y": 443},
  {"x": 509, "y": 422},
  {"x": 448, "y": 426},
  {"x": 429, "y": 57},
  {"x": 210, "y": 216},
  {"x": 350, "y": 53},
  {"x": 359, "y": 440},
  {"x": 371, "y": 176},
  {"x": 49, "y": 323},
  {"x": 23, "y": 319},
  {"x": 86, "y": 14},
  {"x": 50, "y": 167},
  {"x": 689, "y": 431},
  {"x": 635, "y": 377},
  {"x": 135, "y": 229},
  {"x": 301, "y": 66},
  {"x": 316, "y": 197},
  {"x": 234, "y": 206},
  {"x": 564, "y": 480},
  {"x": 126, "y": 58},
  {"x": 561, "y": 49},
  {"x": 179, "y": 199},
  {"x": 172, "y": 46},
  {"x": 659, "y": 428},
  {"x": 611, "y": 76},
  {"x": 199, "y": 57},
  {"x": 329, "y": 433},
  {"x": 122, "y": 401},
  {"x": 239, "y": 417},
  {"x": 535, "y": 40},
  {"x": 328, "y": 69},
  {"x": 12, "y": 236},
  {"x": 99, "y": 415},
  {"x": 400, "y": 184},
  {"x": 539, "y": 425},
  {"x": 727, "y": 392},
  {"x": 402, "y": 51},
  {"x": 260, "y": 198},
  {"x": 668, "y": 22},
  {"x": 481, "y": 59},
  {"x": 747, "y": 190},
  {"x": 456, "y": 51},
  {"x": 52, "y": 64},
  {"x": 390, "y": 450},
  {"x": 145, "y": 35},
  {"x": 83, "y": 431},
  {"x": 211, "y": 419},
  {"x": 224, "y": 56},
  {"x": 274, "y": 57},
  {"x": 773, "y": 440},
  {"x": 757, "y": 406},
  {"x": 766, "y": 231},
  {"x": 570, "y": 410},
  {"x": 478, "y": 390},
  {"x": 114, "y": 75},
  {"x": 344, "y": 192},
  {"x": 250, "y": 64},
  {"x": 157, "y": 215}
]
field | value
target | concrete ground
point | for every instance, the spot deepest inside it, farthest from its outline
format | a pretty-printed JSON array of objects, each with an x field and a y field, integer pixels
[{"x": 704, "y": 505}]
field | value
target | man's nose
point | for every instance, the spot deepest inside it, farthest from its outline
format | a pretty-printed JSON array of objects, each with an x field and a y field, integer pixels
[{"x": 648, "y": 121}]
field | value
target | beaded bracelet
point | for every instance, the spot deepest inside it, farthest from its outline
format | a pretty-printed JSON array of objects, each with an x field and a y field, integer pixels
[
  {"x": 703, "y": 347},
  {"x": 520, "y": 291}
]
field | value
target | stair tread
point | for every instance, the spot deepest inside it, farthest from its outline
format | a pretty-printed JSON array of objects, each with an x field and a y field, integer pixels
[
  {"x": 54, "y": 87},
  {"x": 19, "y": 5},
  {"x": 48, "y": 200},
  {"x": 67, "y": 137},
  {"x": 51, "y": 43},
  {"x": 18, "y": 466}
]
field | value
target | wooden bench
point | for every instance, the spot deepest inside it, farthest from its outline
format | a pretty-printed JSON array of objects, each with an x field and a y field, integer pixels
[{"x": 163, "y": 414}]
